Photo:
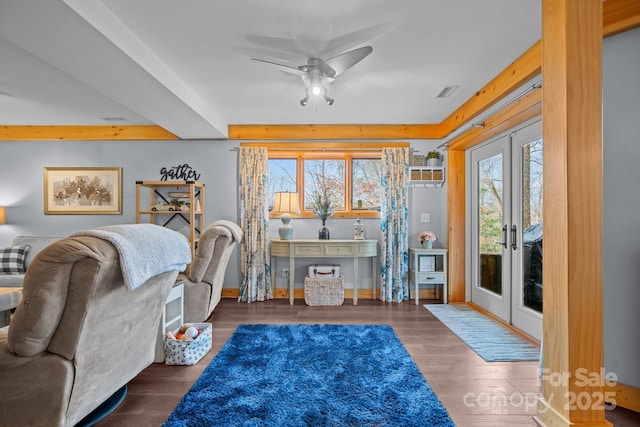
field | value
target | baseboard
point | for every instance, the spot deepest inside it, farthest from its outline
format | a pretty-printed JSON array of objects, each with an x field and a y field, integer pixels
[{"x": 627, "y": 396}]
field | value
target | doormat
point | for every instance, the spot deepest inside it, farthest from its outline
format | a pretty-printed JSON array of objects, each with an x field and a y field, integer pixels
[{"x": 489, "y": 339}]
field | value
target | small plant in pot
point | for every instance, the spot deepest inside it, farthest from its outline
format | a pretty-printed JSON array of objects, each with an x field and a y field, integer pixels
[
  {"x": 323, "y": 208},
  {"x": 434, "y": 158}
]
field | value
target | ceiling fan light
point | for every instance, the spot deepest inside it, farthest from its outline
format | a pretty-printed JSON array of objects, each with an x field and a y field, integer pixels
[
  {"x": 304, "y": 100},
  {"x": 316, "y": 90}
]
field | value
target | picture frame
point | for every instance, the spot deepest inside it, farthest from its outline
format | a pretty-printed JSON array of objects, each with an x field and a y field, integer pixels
[
  {"x": 83, "y": 190},
  {"x": 426, "y": 263}
]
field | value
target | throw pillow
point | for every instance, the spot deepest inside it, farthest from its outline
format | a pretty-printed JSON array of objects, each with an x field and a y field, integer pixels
[{"x": 12, "y": 259}]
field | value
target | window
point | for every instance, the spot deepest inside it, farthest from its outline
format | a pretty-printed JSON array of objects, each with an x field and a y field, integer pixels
[{"x": 350, "y": 178}]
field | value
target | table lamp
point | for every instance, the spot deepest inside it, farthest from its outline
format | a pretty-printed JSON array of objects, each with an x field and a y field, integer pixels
[{"x": 286, "y": 203}]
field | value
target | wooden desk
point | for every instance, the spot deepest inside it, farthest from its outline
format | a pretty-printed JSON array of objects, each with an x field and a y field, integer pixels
[{"x": 314, "y": 248}]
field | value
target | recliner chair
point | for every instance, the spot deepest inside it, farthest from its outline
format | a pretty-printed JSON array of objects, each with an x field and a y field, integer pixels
[
  {"x": 205, "y": 275},
  {"x": 78, "y": 335}
]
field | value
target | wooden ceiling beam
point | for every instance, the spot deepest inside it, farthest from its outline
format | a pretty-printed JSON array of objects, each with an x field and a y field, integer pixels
[
  {"x": 83, "y": 133},
  {"x": 281, "y": 132},
  {"x": 619, "y": 16}
]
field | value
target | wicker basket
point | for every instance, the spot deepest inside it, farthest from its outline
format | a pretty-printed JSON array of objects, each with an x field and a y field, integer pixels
[{"x": 324, "y": 290}]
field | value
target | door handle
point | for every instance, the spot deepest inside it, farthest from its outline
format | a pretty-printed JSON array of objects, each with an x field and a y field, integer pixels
[
  {"x": 504, "y": 236},
  {"x": 514, "y": 237}
]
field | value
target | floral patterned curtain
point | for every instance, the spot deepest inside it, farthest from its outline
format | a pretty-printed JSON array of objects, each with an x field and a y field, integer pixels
[
  {"x": 394, "y": 223},
  {"x": 254, "y": 221}
]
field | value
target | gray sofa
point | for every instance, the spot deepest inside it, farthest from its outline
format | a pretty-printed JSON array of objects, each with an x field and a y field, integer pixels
[
  {"x": 204, "y": 278},
  {"x": 78, "y": 335},
  {"x": 36, "y": 244}
]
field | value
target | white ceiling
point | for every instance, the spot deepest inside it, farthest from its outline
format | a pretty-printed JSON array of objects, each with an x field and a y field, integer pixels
[{"x": 185, "y": 65}]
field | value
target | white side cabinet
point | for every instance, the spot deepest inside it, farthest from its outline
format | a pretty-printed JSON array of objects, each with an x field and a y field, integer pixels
[
  {"x": 172, "y": 317},
  {"x": 428, "y": 267}
]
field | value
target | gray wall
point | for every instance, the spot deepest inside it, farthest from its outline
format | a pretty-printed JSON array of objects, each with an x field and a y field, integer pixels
[
  {"x": 21, "y": 181},
  {"x": 621, "y": 228},
  {"x": 21, "y": 191}
]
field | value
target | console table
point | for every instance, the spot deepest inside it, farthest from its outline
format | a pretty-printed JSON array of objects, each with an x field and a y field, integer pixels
[{"x": 315, "y": 248}]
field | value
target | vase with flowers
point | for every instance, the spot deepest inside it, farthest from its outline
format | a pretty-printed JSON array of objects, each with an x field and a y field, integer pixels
[
  {"x": 426, "y": 239},
  {"x": 323, "y": 208}
]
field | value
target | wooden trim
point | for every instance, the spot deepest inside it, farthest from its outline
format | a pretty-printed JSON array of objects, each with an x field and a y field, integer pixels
[
  {"x": 626, "y": 396},
  {"x": 262, "y": 132},
  {"x": 456, "y": 223},
  {"x": 525, "y": 108},
  {"x": 83, "y": 133},
  {"x": 619, "y": 16},
  {"x": 324, "y": 146}
]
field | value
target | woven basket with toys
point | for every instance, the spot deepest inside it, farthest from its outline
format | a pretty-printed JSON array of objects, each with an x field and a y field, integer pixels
[{"x": 188, "y": 344}]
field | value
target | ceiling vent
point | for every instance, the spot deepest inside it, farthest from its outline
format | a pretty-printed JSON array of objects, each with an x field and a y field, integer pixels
[
  {"x": 447, "y": 91},
  {"x": 114, "y": 119}
]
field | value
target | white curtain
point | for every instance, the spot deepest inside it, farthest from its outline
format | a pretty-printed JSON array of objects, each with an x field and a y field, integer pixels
[
  {"x": 254, "y": 221},
  {"x": 394, "y": 223}
]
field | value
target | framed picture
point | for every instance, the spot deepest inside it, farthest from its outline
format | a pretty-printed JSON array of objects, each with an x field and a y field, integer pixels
[
  {"x": 427, "y": 263},
  {"x": 83, "y": 191}
]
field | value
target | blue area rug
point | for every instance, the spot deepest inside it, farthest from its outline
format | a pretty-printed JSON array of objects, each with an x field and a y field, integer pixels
[
  {"x": 311, "y": 375},
  {"x": 490, "y": 340}
]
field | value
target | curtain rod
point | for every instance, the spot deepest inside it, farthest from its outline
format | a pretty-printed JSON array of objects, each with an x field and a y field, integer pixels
[
  {"x": 319, "y": 146},
  {"x": 479, "y": 122}
]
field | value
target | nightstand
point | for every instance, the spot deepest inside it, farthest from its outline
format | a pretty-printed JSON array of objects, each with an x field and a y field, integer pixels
[{"x": 428, "y": 267}]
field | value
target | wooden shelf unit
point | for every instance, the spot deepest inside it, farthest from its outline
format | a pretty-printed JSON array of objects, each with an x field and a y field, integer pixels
[
  {"x": 426, "y": 176},
  {"x": 192, "y": 191}
]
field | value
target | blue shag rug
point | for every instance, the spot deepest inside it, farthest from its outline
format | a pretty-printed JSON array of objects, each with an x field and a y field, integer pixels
[
  {"x": 490, "y": 340},
  {"x": 311, "y": 375}
]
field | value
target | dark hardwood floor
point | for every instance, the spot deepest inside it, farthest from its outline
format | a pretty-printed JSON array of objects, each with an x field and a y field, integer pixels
[{"x": 474, "y": 392}]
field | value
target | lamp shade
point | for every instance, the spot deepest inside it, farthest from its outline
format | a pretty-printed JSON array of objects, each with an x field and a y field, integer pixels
[
  {"x": 3, "y": 218},
  {"x": 286, "y": 202}
]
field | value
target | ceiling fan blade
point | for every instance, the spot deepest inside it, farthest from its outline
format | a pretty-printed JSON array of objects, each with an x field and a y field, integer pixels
[
  {"x": 344, "y": 61},
  {"x": 282, "y": 67},
  {"x": 275, "y": 43},
  {"x": 357, "y": 37}
]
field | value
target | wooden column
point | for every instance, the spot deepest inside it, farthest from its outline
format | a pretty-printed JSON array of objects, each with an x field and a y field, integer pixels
[
  {"x": 573, "y": 384},
  {"x": 456, "y": 224}
]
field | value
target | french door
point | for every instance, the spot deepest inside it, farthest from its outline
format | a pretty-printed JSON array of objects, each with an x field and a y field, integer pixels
[{"x": 506, "y": 227}]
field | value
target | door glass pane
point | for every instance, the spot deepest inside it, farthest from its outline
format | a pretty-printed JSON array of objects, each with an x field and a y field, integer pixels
[
  {"x": 490, "y": 197},
  {"x": 532, "y": 225}
]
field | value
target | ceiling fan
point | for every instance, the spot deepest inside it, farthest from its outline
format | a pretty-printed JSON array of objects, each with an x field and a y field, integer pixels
[{"x": 317, "y": 73}]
